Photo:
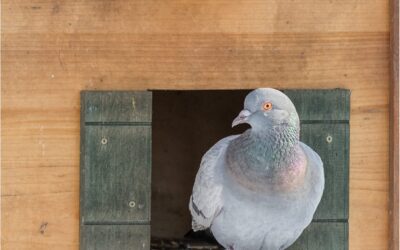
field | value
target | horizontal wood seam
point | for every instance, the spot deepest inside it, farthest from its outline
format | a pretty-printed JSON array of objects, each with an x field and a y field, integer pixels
[
  {"x": 330, "y": 220},
  {"x": 118, "y": 123},
  {"x": 115, "y": 223},
  {"x": 324, "y": 121}
]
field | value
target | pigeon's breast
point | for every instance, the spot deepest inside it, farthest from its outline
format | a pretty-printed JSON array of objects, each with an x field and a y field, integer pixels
[
  {"x": 266, "y": 219},
  {"x": 256, "y": 221},
  {"x": 256, "y": 164},
  {"x": 292, "y": 175}
]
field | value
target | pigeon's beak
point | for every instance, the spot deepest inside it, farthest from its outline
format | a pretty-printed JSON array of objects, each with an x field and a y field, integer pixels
[{"x": 241, "y": 118}]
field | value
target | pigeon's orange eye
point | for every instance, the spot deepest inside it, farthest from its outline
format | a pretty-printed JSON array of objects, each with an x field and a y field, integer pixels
[{"x": 267, "y": 106}]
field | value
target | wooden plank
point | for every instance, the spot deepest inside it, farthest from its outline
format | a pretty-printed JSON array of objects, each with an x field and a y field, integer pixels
[
  {"x": 106, "y": 237},
  {"x": 166, "y": 61},
  {"x": 394, "y": 127},
  {"x": 127, "y": 106},
  {"x": 117, "y": 168},
  {"x": 325, "y": 235},
  {"x": 192, "y": 17},
  {"x": 331, "y": 142},
  {"x": 322, "y": 105}
]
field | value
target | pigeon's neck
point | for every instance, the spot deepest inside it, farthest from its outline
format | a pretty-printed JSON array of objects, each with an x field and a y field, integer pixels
[
  {"x": 265, "y": 157},
  {"x": 265, "y": 149}
]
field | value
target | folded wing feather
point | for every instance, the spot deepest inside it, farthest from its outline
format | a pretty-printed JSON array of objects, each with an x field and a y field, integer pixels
[{"x": 206, "y": 201}]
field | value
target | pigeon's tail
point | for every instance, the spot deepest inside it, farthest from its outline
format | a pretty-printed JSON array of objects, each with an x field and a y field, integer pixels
[{"x": 203, "y": 235}]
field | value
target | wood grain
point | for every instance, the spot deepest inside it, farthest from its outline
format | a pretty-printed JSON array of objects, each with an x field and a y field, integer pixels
[
  {"x": 116, "y": 171},
  {"x": 313, "y": 106},
  {"x": 179, "y": 16},
  {"x": 106, "y": 237},
  {"x": 52, "y": 49},
  {"x": 394, "y": 209},
  {"x": 117, "y": 107}
]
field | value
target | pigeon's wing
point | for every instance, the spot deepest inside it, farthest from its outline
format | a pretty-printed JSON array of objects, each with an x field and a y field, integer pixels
[
  {"x": 316, "y": 167},
  {"x": 205, "y": 202}
]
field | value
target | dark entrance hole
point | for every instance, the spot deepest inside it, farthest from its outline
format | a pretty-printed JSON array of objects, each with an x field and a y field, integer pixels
[{"x": 185, "y": 125}]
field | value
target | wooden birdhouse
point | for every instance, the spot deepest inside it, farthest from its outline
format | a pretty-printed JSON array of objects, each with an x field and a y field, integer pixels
[{"x": 107, "y": 107}]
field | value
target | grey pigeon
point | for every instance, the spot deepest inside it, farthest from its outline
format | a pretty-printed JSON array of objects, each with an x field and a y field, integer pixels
[{"x": 259, "y": 189}]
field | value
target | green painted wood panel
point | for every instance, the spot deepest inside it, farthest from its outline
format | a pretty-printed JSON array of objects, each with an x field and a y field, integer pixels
[
  {"x": 115, "y": 199},
  {"x": 323, "y": 236},
  {"x": 117, "y": 106},
  {"x": 117, "y": 174},
  {"x": 116, "y": 237},
  {"x": 321, "y": 105}
]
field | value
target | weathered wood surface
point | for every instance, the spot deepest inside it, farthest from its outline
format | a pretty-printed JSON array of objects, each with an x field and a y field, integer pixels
[
  {"x": 117, "y": 185},
  {"x": 121, "y": 237},
  {"x": 117, "y": 106},
  {"x": 115, "y": 170},
  {"x": 53, "y": 49},
  {"x": 323, "y": 106}
]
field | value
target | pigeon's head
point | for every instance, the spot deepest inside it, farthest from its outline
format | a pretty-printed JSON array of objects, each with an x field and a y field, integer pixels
[{"x": 265, "y": 108}]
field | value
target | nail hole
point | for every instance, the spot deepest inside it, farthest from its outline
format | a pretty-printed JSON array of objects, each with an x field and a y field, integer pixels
[
  {"x": 329, "y": 139},
  {"x": 132, "y": 204},
  {"x": 104, "y": 141}
]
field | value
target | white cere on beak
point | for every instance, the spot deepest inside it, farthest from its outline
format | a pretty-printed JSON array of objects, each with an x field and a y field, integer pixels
[{"x": 241, "y": 118}]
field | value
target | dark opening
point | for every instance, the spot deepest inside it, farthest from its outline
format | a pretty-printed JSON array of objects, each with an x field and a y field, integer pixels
[{"x": 185, "y": 125}]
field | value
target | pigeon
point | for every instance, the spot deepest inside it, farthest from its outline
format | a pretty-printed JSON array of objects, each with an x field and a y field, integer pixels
[{"x": 259, "y": 189}]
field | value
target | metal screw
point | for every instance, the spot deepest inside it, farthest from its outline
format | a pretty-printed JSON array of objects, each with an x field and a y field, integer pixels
[
  {"x": 104, "y": 141},
  {"x": 132, "y": 204},
  {"x": 329, "y": 139}
]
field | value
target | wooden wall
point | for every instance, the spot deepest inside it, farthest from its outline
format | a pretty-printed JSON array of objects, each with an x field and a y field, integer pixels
[{"x": 52, "y": 49}]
